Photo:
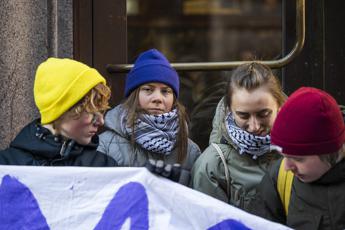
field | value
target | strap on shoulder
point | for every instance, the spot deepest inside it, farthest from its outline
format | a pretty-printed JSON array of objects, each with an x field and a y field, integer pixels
[
  {"x": 284, "y": 185},
  {"x": 227, "y": 176}
]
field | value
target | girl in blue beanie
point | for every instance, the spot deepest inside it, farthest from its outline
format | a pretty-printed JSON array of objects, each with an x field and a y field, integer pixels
[{"x": 150, "y": 127}]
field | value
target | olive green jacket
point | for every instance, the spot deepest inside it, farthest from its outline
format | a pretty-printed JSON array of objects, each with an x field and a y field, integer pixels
[{"x": 208, "y": 175}]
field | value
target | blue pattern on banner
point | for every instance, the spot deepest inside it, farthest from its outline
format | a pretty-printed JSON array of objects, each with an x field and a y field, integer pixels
[
  {"x": 18, "y": 207},
  {"x": 229, "y": 224},
  {"x": 129, "y": 202}
]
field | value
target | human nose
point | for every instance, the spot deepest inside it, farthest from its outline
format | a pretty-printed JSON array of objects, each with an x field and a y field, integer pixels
[
  {"x": 97, "y": 119},
  {"x": 253, "y": 125},
  {"x": 288, "y": 164},
  {"x": 157, "y": 96},
  {"x": 101, "y": 120}
]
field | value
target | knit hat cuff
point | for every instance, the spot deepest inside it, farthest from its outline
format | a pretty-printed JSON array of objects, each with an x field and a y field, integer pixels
[
  {"x": 81, "y": 85},
  {"x": 303, "y": 149},
  {"x": 152, "y": 72}
]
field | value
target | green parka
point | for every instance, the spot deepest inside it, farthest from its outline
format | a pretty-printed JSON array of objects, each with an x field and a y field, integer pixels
[{"x": 208, "y": 173}]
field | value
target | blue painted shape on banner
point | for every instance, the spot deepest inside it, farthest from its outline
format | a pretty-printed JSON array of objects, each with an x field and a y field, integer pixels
[
  {"x": 129, "y": 202},
  {"x": 229, "y": 224},
  {"x": 18, "y": 207}
]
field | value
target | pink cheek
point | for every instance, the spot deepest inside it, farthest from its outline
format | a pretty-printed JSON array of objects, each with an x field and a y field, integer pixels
[
  {"x": 81, "y": 125},
  {"x": 141, "y": 103}
]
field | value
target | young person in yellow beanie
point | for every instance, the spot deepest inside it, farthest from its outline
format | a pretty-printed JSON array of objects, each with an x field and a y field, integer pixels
[
  {"x": 71, "y": 98},
  {"x": 309, "y": 133}
]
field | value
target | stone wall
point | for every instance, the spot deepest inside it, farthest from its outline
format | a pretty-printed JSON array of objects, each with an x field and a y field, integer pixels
[{"x": 30, "y": 32}]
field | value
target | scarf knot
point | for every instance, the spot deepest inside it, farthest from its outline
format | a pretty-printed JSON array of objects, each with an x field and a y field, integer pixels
[
  {"x": 155, "y": 133},
  {"x": 246, "y": 142}
]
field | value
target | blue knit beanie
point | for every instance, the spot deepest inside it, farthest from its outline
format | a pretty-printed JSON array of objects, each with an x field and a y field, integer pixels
[{"x": 152, "y": 66}]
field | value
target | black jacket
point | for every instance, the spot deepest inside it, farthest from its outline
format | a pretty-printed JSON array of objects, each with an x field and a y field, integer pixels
[
  {"x": 35, "y": 145},
  {"x": 316, "y": 205}
]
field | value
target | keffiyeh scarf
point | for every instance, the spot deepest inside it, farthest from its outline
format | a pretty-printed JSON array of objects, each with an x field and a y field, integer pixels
[
  {"x": 156, "y": 133},
  {"x": 247, "y": 142}
]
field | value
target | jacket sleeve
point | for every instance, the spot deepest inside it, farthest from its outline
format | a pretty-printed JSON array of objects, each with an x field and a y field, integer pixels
[
  {"x": 216, "y": 133},
  {"x": 208, "y": 175},
  {"x": 193, "y": 153},
  {"x": 267, "y": 203},
  {"x": 115, "y": 146},
  {"x": 103, "y": 142}
]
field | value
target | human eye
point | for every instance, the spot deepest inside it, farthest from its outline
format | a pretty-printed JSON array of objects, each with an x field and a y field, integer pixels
[
  {"x": 296, "y": 159},
  {"x": 243, "y": 116},
  {"x": 264, "y": 113},
  {"x": 166, "y": 91},
  {"x": 299, "y": 159},
  {"x": 100, "y": 113},
  {"x": 146, "y": 89},
  {"x": 94, "y": 117}
]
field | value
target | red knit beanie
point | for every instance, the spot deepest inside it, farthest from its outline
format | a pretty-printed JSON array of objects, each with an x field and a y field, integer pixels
[{"x": 309, "y": 123}]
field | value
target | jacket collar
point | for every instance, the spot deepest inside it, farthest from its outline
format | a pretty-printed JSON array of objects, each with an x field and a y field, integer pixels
[
  {"x": 40, "y": 142},
  {"x": 334, "y": 175}
]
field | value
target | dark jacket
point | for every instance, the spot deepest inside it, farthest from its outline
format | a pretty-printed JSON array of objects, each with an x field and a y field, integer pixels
[
  {"x": 316, "y": 205},
  {"x": 35, "y": 145}
]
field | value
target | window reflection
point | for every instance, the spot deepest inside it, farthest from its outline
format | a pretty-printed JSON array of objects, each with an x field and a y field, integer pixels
[{"x": 204, "y": 31}]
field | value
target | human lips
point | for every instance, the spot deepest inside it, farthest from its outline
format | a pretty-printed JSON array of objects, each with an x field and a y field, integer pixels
[
  {"x": 92, "y": 133},
  {"x": 299, "y": 175},
  {"x": 156, "y": 110},
  {"x": 260, "y": 133}
]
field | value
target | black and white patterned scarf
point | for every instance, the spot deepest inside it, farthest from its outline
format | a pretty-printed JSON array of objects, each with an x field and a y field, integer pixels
[
  {"x": 247, "y": 142},
  {"x": 156, "y": 133}
]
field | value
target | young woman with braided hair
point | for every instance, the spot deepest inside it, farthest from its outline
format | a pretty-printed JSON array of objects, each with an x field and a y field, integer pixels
[{"x": 239, "y": 152}]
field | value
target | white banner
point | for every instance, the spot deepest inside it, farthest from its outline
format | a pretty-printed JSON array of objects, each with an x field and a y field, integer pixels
[{"x": 110, "y": 198}]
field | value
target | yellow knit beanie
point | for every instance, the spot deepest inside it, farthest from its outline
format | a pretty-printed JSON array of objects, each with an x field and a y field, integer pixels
[{"x": 60, "y": 84}]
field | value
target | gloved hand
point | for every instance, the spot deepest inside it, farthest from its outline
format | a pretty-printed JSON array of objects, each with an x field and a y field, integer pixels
[{"x": 169, "y": 171}]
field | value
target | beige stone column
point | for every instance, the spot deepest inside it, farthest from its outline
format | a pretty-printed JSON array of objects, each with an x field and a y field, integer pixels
[{"x": 30, "y": 31}]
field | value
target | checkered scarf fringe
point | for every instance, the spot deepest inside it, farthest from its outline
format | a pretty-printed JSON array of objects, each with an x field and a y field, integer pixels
[{"x": 247, "y": 143}]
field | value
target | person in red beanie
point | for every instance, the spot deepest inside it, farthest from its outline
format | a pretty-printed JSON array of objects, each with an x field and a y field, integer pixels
[{"x": 309, "y": 133}]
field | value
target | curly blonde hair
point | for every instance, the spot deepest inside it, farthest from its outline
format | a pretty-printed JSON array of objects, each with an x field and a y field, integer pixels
[{"x": 96, "y": 100}]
